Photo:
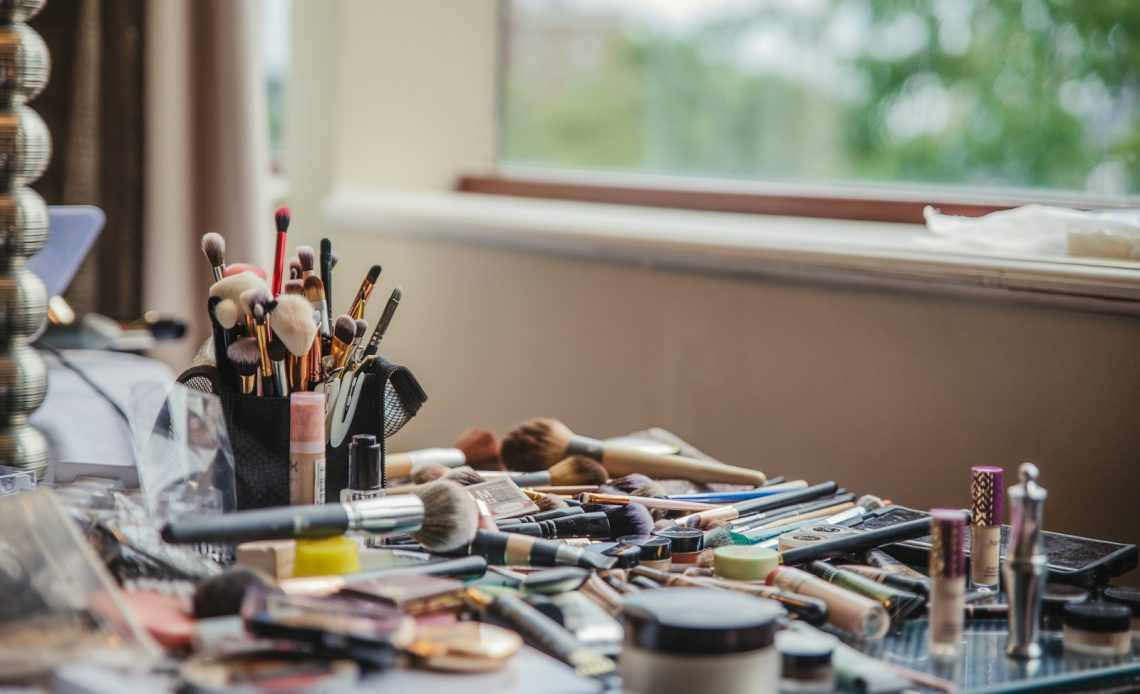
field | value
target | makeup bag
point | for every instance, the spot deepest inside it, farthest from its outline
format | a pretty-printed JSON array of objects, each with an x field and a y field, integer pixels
[{"x": 389, "y": 396}]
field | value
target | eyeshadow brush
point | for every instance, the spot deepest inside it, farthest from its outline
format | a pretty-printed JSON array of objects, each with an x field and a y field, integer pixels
[
  {"x": 734, "y": 511},
  {"x": 385, "y": 319},
  {"x": 281, "y": 219},
  {"x": 356, "y": 310},
  {"x": 214, "y": 248}
]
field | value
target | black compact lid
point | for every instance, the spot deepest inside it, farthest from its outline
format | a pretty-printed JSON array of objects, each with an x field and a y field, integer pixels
[
  {"x": 699, "y": 621},
  {"x": 1125, "y": 596},
  {"x": 1057, "y": 595},
  {"x": 683, "y": 539},
  {"x": 653, "y": 548},
  {"x": 799, "y": 651},
  {"x": 1103, "y": 617}
]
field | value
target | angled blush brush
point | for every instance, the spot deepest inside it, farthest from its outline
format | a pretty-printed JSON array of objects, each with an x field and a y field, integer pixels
[
  {"x": 539, "y": 443},
  {"x": 281, "y": 220},
  {"x": 364, "y": 293}
]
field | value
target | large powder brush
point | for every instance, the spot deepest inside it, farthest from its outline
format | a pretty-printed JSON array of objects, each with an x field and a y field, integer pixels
[{"x": 539, "y": 443}]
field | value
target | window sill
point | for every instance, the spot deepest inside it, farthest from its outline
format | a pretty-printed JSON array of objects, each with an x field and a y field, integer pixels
[{"x": 850, "y": 253}]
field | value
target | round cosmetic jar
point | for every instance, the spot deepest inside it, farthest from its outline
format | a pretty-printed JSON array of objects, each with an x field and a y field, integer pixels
[
  {"x": 696, "y": 639},
  {"x": 1053, "y": 601},
  {"x": 744, "y": 562},
  {"x": 685, "y": 544},
  {"x": 1101, "y": 629},
  {"x": 656, "y": 552},
  {"x": 805, "y": 663},
  {"x": 1130, "y": 598}
]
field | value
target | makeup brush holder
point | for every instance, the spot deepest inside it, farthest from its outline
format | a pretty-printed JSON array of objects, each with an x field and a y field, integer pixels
[
  {"x": 390, "y": 396},
  {"x": 25, "y": 149}
]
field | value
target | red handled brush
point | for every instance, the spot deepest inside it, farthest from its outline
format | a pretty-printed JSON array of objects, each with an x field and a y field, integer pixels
[{"x": 281, "y": 218}]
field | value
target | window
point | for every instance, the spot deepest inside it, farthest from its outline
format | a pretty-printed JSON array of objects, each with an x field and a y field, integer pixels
[
  {"x": 971, "y": 95},
  {"x": 276, "y": 34}
]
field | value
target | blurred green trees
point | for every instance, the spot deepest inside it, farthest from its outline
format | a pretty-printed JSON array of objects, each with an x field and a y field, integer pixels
[{"x": 1001, "y": 94}]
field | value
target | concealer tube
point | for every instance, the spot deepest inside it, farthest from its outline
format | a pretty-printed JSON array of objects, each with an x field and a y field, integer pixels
[
  {"x": 881, "y": 560},
  {"x": 918, "y": 586},
  {"x": 947, "y": 581},
  {"x": 985, "y": 528},
  {"x": 848, "y": 611},
  {"x": 898, "y": 603},
  {"x": 307, "y": 448}
]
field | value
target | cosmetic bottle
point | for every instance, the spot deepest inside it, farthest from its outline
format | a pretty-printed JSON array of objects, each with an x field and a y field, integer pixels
[
  {"x": 947, "y": 581},
  {"x": 364, "y": 469},
  {"x": 685, "y": 544},
  {"x": 1025, "y": 567},
  {"x": 697, "y": 639},
  {"x": 306, "y": 448},
  {"x": 985, "y": 528},
  {"x": 1098, "y": 629},
  {"x": 656, "y": 552}
]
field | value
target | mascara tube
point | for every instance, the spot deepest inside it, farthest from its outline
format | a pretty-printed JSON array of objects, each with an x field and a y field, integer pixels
[
  {"x": 848, "y": 611},
  {"x": 899, "y": 604},
  {"x": 306, "y": 448},
  {"x": 947, "y": 581}
]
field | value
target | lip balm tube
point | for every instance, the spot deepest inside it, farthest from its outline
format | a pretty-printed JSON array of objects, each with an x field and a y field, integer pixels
[
  {"x": 985, "y": 528},
  {"x": 947, "y": 581},
  {"x": 848, "y": 611},
  {"x": 306, "y": 448}
]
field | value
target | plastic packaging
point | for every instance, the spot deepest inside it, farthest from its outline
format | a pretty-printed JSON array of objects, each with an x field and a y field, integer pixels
[{"x": 1041, "y": 230}]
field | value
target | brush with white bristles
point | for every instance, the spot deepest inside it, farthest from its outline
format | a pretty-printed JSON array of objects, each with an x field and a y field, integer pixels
[
  {"x": 441, "y": 517},
  {"x": 293, "y": 325},
  {"x": 214, "y": 248},
  {"x": 539, "y": 443},
  {"x": 307, "y": 257},
  {"x": 231, "y": 288}
]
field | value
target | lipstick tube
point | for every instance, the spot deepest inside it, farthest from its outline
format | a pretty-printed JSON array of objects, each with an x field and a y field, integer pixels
[
  {"x": 1025, "y": 567},
  {"x": 985, "y": 528},
  {"x": 947, "y": 581}
]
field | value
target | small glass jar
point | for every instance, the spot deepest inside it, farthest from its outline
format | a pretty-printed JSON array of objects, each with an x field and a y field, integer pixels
[
  {"x": 699, "y": 640},
  {"x": 1099, "y": 629},
  {"x": 805, "y": 663},
  {"x": 1130, "y": 598},
  {"x": 685, "y": 544},
  {"x": 655, "y": 552}
]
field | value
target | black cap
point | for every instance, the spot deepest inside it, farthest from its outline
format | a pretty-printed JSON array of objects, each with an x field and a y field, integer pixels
[
  {"x": 653, "y": 548},
  {"x": 802, "y": 651},
  {"x": 699, "y": 621},
  {"x": 683, "y": 539},
  {"x": 1125, "y": 596},
  {"x": 1102, "y": 617},
  {"x": 364, "y": 471},
  {"x": 1053, "y": 601}
]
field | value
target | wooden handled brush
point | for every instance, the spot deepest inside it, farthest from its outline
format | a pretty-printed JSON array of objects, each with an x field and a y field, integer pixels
[{"x": 539, "y": 443}]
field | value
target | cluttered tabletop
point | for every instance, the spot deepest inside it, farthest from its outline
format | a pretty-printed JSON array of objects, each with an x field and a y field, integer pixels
[{"x": 276, "y": 544}]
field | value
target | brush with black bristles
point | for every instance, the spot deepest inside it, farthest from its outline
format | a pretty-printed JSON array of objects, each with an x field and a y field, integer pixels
[
  {"x": 278, "y": 356},
  {"x": 440, "y": 516},
  {"x": 326, "y": 262},
  {"x": 308, "y": 259},
  {"x": 385, "y": 321},
  {"x": 610, "y": 523},
  {"x": 538, "y": 443},
  {"x": 356, "y": 349},
  {"x": 221, "y": 339},
  {"x": 315, "y": 294},
  {"x": 548, "y": 502},
  {"x": 356, "y": 310},
  {"x": 260, "y": 306},
  {"x": 245, "y": 356},
  {"x": 281, "y": 219},
  {"x": 575, "y": 470},
  {"x": 344, "y": 330},
  {"x": 214, "y": 248}
]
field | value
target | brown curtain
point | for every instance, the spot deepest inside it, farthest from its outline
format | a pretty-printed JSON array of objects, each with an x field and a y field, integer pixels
[{"x": 93, "y": 106}]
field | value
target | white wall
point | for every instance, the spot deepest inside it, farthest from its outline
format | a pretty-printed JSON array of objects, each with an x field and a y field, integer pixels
[{"x": 886, "y": 392}]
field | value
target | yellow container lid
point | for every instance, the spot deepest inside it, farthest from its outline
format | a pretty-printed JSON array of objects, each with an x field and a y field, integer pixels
[
  {"x": 329, "y": 555},
  {"x": 744, "y": 563}
]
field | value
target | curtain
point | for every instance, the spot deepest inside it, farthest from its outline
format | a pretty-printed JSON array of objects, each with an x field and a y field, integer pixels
[
  {"x": 93, "y": 106},
  {"x": 207, "y": 159}
]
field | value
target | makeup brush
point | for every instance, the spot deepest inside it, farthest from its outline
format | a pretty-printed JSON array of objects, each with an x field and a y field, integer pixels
[
  {"x": 733, "y": 511},
  {"x": 626, "y": 484},
  {"x": 463, "y": 476},
  {"x": 546, "y": 502},
  {"x": 334, "y": 259},
  {"x": 343, "y": 331},
  {"x": 295, "y": 269},
  {"x": 232, "y": 287},
  {"x": 427, "y": 472},
  {"x": 308, "y": 260},
  {"x": 501, "y": 548},
  {"x": 259, "y": 302},
  {"x": 542, "y": 515},
  {"x": 364, "y": 293},
  {"x": 238, "y": 268},
  {"x": 245, "y": 356},
  {"x": 480, "y": 449},
  {"x": 221, "y": 341},
  {"x": 356, "y": 349},
  {"x": 314, "y": 360},
  {"x": 647, "y": 502},
  {"x": 214, "y": 248},
  {"x": 403, "y": 464},
  {"x": 278, "y": 354},
  {"x": 227, "y": 312},
  {"x": 385, "y": 320},
  {"x": 572, "y": 471},
  {"x": 315, "y": 294},
  {"x": 539, "y": 443},
  {"x": 293, "y": 323},
  {"x": 292, "y": 286},
  {"x": 281, "y": 219},
  {"x": 441, "y": 517},
  {"x": 326, "y": 266},
  {"x": 613, "y": 522}
]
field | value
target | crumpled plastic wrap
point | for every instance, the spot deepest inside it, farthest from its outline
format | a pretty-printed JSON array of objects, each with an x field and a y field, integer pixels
[{"x": 1041, "y": 230}]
